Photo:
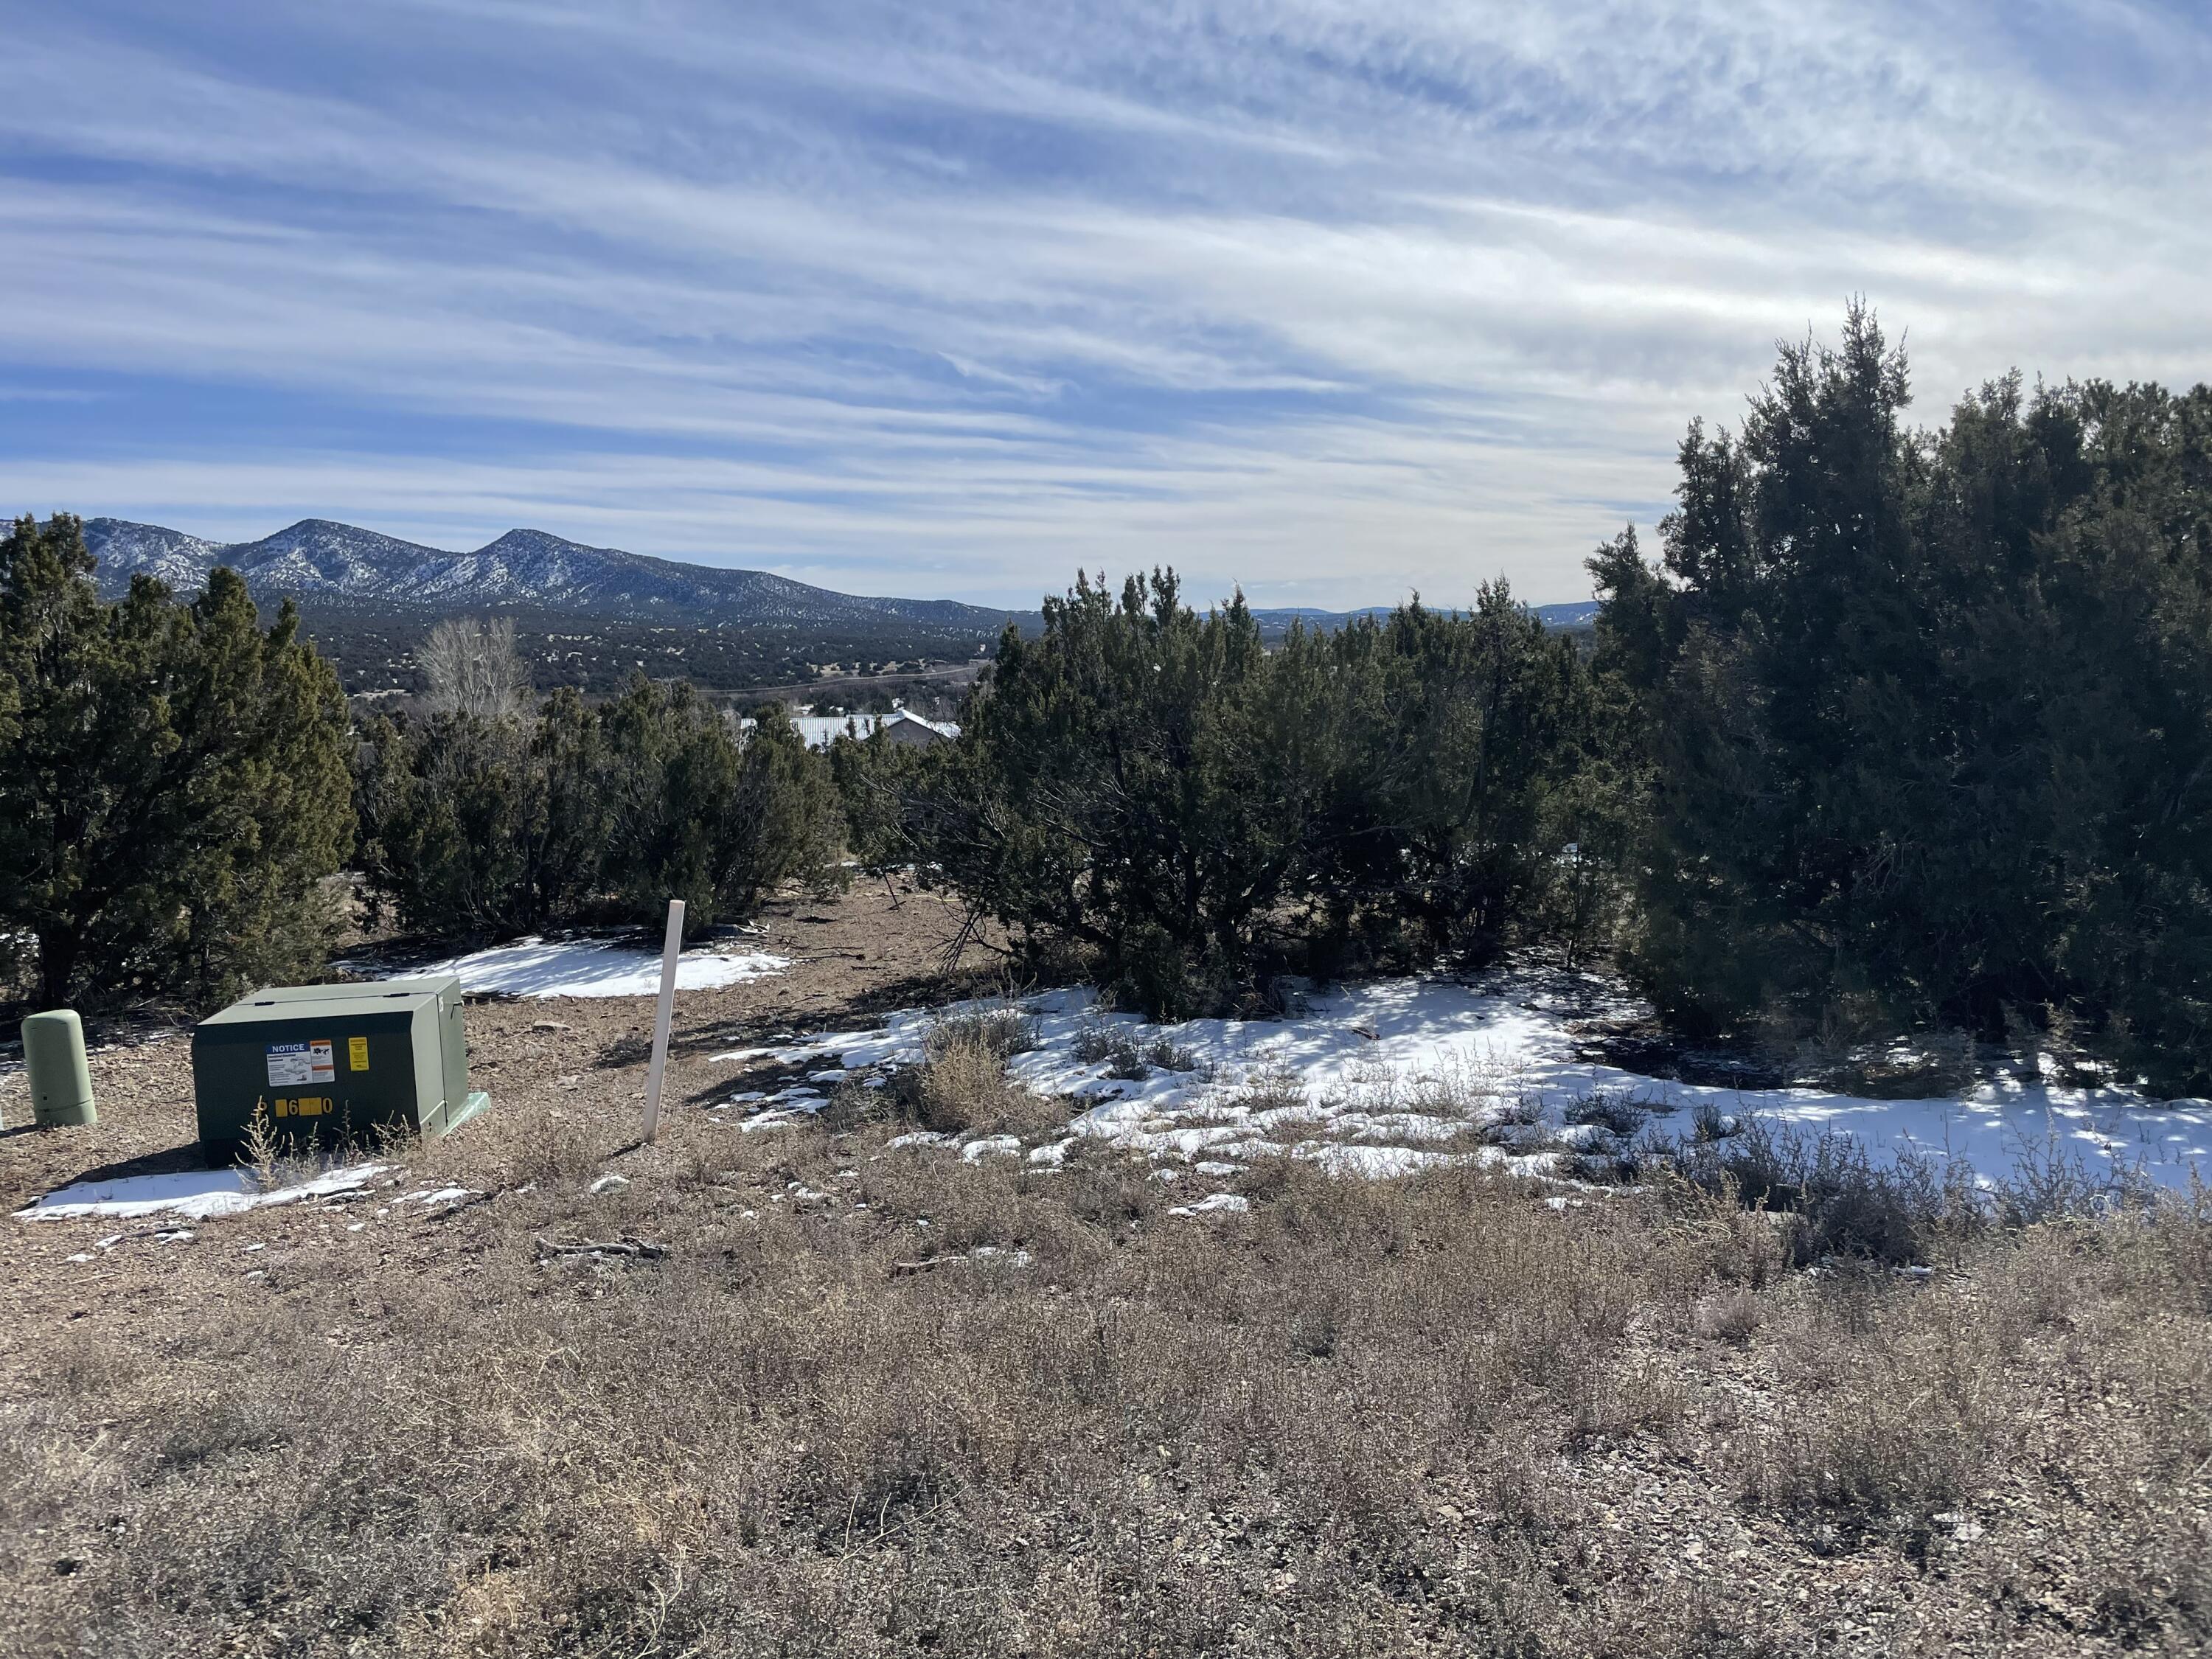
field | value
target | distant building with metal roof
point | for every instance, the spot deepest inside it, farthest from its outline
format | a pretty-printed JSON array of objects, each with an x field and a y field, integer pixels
[{"x": 899, "y": 727}]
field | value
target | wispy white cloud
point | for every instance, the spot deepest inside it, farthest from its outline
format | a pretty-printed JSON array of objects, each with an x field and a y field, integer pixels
[{"x": 1335, "y": 299}]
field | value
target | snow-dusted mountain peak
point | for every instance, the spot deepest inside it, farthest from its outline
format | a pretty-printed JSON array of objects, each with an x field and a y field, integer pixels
[{"x": 319, "y": 559}]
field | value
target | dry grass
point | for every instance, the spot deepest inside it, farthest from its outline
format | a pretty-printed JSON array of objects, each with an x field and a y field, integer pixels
[
  {"x": 1430, "y": 1415},
  {"x": 963, "y": 1086}
]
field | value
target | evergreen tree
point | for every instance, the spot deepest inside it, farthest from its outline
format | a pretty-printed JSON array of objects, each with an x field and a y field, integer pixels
[
  {"x": 173, "y": 783},
  {"x": 565, "y": 811},
  {"x": 1923, "y": 716},
  {"x": 695, "y": 816},
  {"x": 875, "y": 779},
  {"x": 496, "y": 827},
  {"x": 1462, "y": 735},
  {"x": 1123, "y": 786},
  {"x": 786, "y": 822},
  {"x": 444, "y": 809},
  {"x": 1202, "y": 813}
]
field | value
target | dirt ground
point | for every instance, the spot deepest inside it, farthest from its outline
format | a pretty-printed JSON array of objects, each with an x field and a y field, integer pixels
[
  {"x": 814, "y": 1393},
  {"x": 572, "y": 1061}
]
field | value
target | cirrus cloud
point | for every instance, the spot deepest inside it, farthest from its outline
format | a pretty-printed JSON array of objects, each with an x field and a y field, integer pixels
[{"x": 1334, "y": 301}]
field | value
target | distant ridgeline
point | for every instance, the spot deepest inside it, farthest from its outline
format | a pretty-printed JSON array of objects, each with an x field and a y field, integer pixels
[
  {"x": 1273, "y": 622},
  {"x": 587, "y": 617},
  {"x": 584, "y": 616}
]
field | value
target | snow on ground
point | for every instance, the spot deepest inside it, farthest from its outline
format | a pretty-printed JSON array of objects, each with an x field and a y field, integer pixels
[
  {"x": 194, "y": 1194},
  {"x": 1366, "y": 1075},
  {"x": 591, "y": 968}
]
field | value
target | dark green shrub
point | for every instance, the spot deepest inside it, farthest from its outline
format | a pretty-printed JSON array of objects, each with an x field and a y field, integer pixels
[
  {"x": 503, "y": 826},
  {"x": 1201, "y": 814}
]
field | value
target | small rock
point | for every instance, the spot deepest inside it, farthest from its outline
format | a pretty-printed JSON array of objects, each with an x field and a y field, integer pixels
[
  {"x": 607, "y": 1183},
  {"x": 549, "y": 1026}
]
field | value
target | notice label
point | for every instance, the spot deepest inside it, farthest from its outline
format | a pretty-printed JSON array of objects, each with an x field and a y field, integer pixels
[
  {"x": 357, "y": 1054},
  {"x": 291, "y": 1064}
]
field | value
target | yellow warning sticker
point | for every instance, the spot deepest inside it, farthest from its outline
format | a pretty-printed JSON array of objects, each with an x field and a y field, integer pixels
[{"x": 357, "y": 1052}]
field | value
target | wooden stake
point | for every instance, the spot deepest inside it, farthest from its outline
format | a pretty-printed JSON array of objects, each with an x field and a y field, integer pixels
[{"x": 669, "y": 951}]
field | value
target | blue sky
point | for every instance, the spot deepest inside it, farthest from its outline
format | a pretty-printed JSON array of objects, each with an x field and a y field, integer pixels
[{"x": 1334, "y": 301}]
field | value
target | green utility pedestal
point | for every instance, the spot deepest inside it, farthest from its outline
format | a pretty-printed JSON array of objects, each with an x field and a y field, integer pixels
[
  {"x": 61, "y": 1084},
  {"x": 323, "y": 1065}
]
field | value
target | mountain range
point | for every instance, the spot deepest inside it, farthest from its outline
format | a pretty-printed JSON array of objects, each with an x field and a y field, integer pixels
[{"x": 326, "y": 565}]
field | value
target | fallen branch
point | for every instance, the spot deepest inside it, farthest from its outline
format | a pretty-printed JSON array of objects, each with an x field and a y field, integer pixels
[
  {"x": 450, "y": 1209},
  {"x": 625, "y": 1246},
  {"x": 927, "y": 1264}
]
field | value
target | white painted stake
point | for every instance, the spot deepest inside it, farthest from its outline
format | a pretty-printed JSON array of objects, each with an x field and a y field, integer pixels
[{"x": 661, "y": 1019}]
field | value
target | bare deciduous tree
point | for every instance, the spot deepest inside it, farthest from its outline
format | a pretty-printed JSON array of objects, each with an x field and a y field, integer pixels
[{"x": 473, "y": 669}]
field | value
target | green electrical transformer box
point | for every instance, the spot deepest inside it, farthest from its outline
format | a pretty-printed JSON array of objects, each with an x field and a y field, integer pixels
[{"x": 328, "y": 1064}]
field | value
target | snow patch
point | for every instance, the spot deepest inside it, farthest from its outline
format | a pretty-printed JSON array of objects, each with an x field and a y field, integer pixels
[
  {"x": 195, "y": 1194},
  {"x": 1391, "y": 1076},
  {"x": 537, "y": 967},
  {"x": 1216, "y": 1204}
]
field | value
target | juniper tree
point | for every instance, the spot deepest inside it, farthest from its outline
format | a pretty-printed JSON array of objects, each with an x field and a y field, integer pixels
[
  {"x": 1202, "y": 813},
  {"x": 496, "y": 827},
  {"x": 173, "y": 785},
  {"x": 1926, "y": 715},
  {"x": 1462, "y": 734}
]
